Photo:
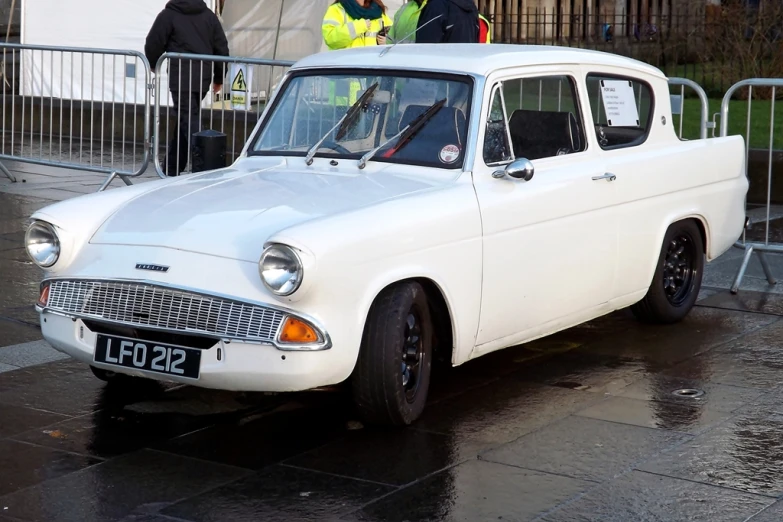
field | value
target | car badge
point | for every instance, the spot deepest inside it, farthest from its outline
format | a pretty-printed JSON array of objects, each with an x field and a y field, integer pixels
[{"x": 152, "y": 268}]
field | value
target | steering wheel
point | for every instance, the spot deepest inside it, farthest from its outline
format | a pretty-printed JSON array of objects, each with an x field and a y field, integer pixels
[{"x": 335, "y": 147}]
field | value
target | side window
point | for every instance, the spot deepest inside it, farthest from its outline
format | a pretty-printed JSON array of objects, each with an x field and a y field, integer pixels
[
  {"x": 622, "y": 110},
  {"x": 496, "y": 146},
  {"x": 543, "y": 117}
]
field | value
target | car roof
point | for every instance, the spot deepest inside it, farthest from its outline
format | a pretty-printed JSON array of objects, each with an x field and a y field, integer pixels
[{"x": 475, "y": 59}]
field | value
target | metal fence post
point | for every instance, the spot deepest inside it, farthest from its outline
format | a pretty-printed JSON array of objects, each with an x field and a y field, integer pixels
[
  {"x": 42, "y": 74},
  {"x": 754, "y": 247}
]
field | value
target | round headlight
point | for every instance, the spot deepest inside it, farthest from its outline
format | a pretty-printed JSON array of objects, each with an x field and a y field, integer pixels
[
  {"x": 42, "y": 244},
  {"x": 280, "y": 269}
]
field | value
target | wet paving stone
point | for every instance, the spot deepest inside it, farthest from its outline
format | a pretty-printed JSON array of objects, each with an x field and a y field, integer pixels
[
  {"x": 503, "y": 410},
  {"x": 584, "y": 448},
  {"x": 67, "y": 387},
  {"x": 280, "y": 494},
  {"x": 21, "y": 283},
  {"x": 15, "y": 420},
  {"x": 16, "y": 332},
  {"x": 585, "y": 371},
  {"x": 25, "y": 314},
  {"x": 109, "y": 433},
  {"x": 642, "y": 497},
  {"x": 745, "y": 453},
  {"x": 145, "y": 482},
  {"x": 717, "y": 397},
  {"x": 773, "y": 513},
  {"x": 475, "y": 490},
  {"x": 745, "y": 300},
  {"x": 394, "y": 457},
  {"x": 260, "y": 440},
  {"x": 754, "y": 360},
  {"x": 663, "y": 346},
  {"x": 24, "y": 465},
  {"x": 13, "y": 225},
  {"x": 686, "y": 418},
  {"x": 30, "y": 354}
]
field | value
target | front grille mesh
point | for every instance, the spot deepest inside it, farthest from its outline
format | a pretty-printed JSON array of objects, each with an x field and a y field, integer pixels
[{"x": 159, "y": 307}]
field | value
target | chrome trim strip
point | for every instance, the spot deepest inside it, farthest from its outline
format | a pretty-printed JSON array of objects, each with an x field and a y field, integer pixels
[{"x": 324, "y": 344}]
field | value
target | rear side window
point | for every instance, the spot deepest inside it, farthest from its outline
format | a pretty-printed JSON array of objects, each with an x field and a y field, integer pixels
[{"x": 622, "y": 109}]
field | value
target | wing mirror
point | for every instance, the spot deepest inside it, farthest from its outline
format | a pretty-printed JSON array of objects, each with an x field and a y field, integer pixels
[{"x": 521, "y": 168}]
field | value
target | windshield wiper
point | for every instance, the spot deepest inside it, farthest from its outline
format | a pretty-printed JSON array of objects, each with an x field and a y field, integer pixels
[
  {"x": 406, "y": 134},
  {"x": 347, "y": 121}
]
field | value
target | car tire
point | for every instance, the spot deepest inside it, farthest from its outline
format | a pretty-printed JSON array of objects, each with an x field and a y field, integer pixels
[
  {"x": 677, "y": 279},
  {"x": 392, "y": 375}
]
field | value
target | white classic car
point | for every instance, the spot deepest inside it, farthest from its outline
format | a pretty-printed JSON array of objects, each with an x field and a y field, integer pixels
[{"x": 455, "y": 199}]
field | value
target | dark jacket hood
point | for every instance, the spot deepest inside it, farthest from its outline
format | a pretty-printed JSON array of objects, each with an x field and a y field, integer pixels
[
  {"x": 188, "y": 6},
  {"x": 465, "y": 5}
]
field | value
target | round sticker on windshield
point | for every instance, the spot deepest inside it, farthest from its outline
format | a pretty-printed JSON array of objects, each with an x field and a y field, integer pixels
[{"x": 449, "y": 154}]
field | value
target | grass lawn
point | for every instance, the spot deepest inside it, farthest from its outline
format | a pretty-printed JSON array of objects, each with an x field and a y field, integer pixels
[{"x": 738, "y": 114}]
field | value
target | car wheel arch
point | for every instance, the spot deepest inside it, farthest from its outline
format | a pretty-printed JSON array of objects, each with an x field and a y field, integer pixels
[
  {"x": 441, "y": 311},
  {"x": 701, "y": 224}
]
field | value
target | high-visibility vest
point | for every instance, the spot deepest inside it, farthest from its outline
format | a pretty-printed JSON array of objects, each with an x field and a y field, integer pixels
[
  {"x": 406, "y": 20},
  {"x": 484, "y": 30},
  {"x": 340, "y": 31},
  {"x": 343, "y": 93}
]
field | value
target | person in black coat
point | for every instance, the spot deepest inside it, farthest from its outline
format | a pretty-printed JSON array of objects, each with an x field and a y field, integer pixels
[
  {"x": 458, "y": 23},
  {"x": 187, "y": 26}
]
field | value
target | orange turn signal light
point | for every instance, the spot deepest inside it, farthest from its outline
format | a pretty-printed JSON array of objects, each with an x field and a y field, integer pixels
[
  {"x": 43, "y": 299},
  {"x": 295, "y": 331}
]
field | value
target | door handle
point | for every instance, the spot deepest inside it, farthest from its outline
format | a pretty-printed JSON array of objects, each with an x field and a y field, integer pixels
[{"x": 608, "y": 177}]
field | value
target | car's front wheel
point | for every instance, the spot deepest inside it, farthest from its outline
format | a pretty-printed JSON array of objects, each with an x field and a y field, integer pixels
[
  {"x": 392, "y": 376},
  {"x": 677, "y": 279}
]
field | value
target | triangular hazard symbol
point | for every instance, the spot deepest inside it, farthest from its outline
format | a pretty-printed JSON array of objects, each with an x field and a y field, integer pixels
[{"x": 239, "y": 82}]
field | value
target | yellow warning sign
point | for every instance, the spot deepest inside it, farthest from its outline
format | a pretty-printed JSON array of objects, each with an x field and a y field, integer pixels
[
  {"x": 241, "y": 79},
  {"x": 239, "y": 83}
]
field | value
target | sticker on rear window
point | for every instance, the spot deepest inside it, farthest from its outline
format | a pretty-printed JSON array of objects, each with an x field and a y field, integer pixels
[{"x": 449, "y": 154}]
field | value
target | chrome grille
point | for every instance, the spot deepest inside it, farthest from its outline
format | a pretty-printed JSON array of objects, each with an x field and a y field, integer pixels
[{"x": 164, "y": 308}]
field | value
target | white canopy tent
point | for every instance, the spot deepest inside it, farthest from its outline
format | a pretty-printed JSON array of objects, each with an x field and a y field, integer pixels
[
  {"x": 277, "y": 30},
  {"x": 270, "y": 29},
  {"x": 95, "y": 24}
]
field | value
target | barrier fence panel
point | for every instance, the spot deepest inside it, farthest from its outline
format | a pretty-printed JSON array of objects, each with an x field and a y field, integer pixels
[
  {"x": 678, "y": 105},
  {"x": 76, "y": 108},
  {"x": 760, "y": 206},
  {"x": 185, "y": 85}
]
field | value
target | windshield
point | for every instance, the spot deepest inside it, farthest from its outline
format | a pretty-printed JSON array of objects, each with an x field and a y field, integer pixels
[{"x": 311, "y": 107}]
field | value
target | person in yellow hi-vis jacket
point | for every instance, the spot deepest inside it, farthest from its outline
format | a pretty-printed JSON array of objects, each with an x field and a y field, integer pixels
[{"x": 353, "y": 23}]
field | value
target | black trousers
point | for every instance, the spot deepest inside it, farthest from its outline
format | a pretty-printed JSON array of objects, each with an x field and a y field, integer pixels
[{"x": 188, "y": 106}]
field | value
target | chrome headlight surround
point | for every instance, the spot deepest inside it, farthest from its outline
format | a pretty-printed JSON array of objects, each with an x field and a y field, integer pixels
[
  {"x": 281, "y": 269},
  {"x": 42, "y": 244}
]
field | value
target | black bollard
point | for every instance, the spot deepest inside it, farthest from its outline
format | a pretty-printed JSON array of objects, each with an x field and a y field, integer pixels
[{"x": 209, "y": 150}]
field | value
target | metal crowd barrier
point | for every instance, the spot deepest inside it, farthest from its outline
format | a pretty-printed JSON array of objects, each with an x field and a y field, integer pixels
[
  {"x": 247, "y": 85},
  {"x": 76, "y": 108},
  {"x": 750, "y": 247},
  {"x": 678, "y": 105}
]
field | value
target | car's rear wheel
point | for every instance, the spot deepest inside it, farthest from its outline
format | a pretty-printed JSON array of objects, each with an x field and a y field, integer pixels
[
  {"x": 677, "y": 279},
  {"x": 392, "y": 376}
]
